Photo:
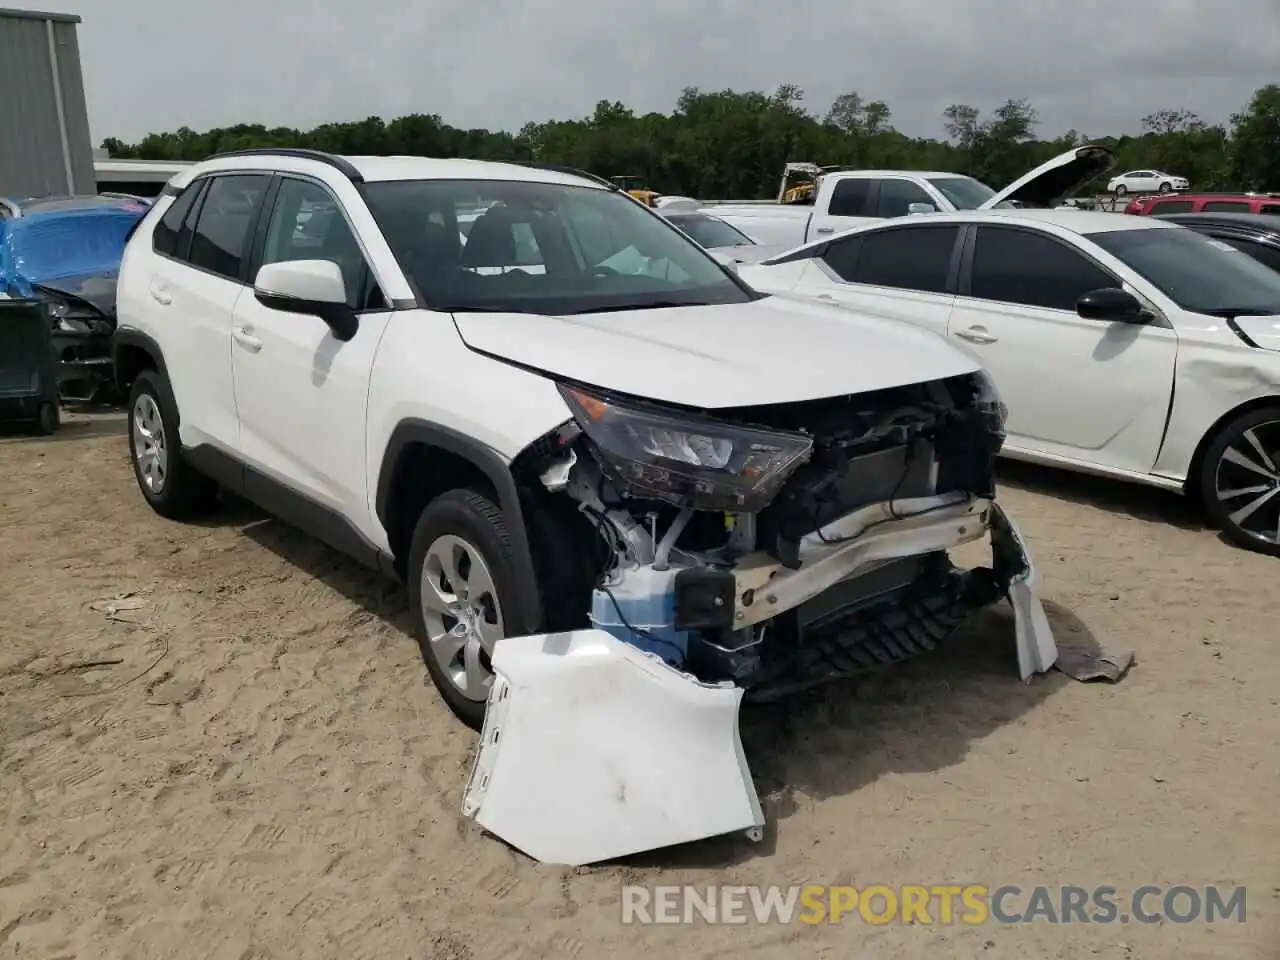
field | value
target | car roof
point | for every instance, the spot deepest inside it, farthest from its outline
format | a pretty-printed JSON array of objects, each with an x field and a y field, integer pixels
[
  {"x": 1260, "y": 221},
  {"x": 37, "y": 206},
  {"x": 1075, "y": 220},
  {"x": 384, "y": 169}
]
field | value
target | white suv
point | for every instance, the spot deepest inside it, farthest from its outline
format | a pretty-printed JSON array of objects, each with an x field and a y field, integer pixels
[{"x": 545, "y": 409}]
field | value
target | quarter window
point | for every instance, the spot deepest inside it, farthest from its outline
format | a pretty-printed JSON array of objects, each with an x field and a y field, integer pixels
[
  {"x": 164, "y": 238},
  {"x": 222, "y": 233},
  {"x": 306, "y": 224},
  {"x": 897, "y": 195},
  {"x": 909, "y": 258},
  {"x": 1018, "y": 266}
]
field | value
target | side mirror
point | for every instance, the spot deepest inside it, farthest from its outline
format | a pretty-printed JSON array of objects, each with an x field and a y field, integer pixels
[
  {"x": 1112, "y": 304},
  {"x": 917, "y": 208},
  {"x": 310, "y": 287},
  {"x": 725, "y": 260}
]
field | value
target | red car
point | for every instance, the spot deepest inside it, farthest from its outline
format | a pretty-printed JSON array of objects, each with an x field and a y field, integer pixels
[{"x": 1206, "y": 203}]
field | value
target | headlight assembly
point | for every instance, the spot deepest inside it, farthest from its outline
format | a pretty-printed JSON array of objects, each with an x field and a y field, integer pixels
[{"x": 704, "y": 464}]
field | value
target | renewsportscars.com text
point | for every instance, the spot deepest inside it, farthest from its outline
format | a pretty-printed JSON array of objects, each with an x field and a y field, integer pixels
[{"x": 965, "y": 904}]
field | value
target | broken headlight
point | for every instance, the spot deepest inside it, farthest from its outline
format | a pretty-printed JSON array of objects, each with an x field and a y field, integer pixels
[{"x": 702, "y": 464}]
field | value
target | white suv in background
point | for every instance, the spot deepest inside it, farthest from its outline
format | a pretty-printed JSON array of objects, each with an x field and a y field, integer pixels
[{"x": 546, "y": 409}]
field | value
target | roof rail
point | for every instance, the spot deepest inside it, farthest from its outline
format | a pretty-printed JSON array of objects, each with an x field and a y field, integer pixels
[
  {"x": 341, "y": 164},
  {"x": 571, "y": 171}
]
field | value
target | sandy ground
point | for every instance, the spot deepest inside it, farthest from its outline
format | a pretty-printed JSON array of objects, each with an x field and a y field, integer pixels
[{"x": 256, "y": 768}]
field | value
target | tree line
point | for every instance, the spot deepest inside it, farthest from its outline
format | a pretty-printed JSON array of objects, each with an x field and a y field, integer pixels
[{"x": 724, "y": 144}]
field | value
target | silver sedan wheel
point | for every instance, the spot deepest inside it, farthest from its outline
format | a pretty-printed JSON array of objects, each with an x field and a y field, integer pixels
[
  {"x": 1247, "y": 481},
  {"x": 462, "y": 615},
  {"x": 149, "y": 448}
]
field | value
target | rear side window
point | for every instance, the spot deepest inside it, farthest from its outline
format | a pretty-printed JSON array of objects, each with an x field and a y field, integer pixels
[
  {"x": 227, "y": 215},
  {"x": 1225, "y": 206},
  {"x": 1172, "y": 206},
  {"x": 851, "y": 197},
  {"x": 909, "y": 258},
  {"x": 164, "y": 238},
  {"x": 1018, "y": 266}
]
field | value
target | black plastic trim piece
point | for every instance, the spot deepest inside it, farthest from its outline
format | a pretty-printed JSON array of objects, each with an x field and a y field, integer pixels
[
  {"x": 128, "y": 337},
  {"x": 287, "y": 505},
  {"x": 413, "y": 431},
  {"x": 341, "y": 164}
]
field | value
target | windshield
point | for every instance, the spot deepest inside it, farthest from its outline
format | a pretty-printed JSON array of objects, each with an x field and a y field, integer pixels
[
  {"x": 542, "y": 248},
  {"x": 1196, "y": 272},
  {"x": 711, "y": 232},
  {"x": 965, "y": 193}
]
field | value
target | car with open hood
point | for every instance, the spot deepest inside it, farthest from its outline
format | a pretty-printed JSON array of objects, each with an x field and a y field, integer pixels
[
  {"x": 1127, "y": 346},
  {"x": 66, "y": 252},
  {"x": 845, "y": 199},
  {"x": 624, "y": 488}
]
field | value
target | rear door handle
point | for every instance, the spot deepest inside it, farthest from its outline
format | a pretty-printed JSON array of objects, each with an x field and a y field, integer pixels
[
  {"x": 160, "y": 295},
  {"x": 246, "y": 339},
  {"x": 826, "y": 296},
  {"x": 825, "y": 230},
  {"x": 976, "y": 335}
]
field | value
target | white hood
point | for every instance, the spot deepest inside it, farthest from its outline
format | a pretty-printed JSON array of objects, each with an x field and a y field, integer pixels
[
  {"x": 766, "y": 351},
  {"x": 1056, "y": 178}
]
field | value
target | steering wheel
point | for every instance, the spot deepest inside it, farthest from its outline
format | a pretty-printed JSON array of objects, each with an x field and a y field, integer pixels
[{"x": 600, "y": 270}]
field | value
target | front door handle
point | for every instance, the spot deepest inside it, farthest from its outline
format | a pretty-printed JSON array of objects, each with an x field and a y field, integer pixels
[
  {"x": 976, "y": 335},
  {"x": 826, "y": 296},
  {"x": 160, "y": 295},
  {"x": 246, "y": 339},
  {"x": 825, "y": 230}
]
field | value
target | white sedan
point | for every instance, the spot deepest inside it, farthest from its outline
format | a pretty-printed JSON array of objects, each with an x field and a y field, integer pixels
[
  {"x": 1146, "y": 181},
  {"x": 1124, "y": 346}
]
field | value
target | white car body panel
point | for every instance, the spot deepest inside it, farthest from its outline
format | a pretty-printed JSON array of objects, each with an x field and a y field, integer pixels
[
  {"x": 1122, "y": 400},
  {"x": 720, "y": 356},
  {"x": 650, "y": 756}
]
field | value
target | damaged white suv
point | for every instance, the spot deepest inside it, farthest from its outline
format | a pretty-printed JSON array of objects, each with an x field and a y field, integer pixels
[{"x": 609, "y": 471}]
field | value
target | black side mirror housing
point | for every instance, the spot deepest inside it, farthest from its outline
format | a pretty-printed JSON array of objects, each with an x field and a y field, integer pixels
[
  {"x": 339, "y": 317},
  {"x": 1111, "y": 304}
]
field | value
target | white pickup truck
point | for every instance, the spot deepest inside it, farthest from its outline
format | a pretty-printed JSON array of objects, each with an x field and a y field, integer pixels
[{"x": 847, "y": 199}]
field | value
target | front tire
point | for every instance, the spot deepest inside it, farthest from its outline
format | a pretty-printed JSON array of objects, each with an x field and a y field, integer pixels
[
  {"x": 1240, "y": 481},
  {"x": 1166, "y": 187},
  {"x": 464, "y": 598},
  {"x": 1121, "y": 189},
  {"x": 173, "y": 488}
]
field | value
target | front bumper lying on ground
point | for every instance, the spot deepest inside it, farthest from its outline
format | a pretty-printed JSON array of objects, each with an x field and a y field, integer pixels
[{"x": 593, "y": 750}]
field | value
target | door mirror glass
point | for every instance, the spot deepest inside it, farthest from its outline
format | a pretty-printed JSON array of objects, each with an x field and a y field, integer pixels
[
  {"x": 311, "y": 287},
  {"x": 917, "y": 208},
  {"x": 1111, "y": 304}
]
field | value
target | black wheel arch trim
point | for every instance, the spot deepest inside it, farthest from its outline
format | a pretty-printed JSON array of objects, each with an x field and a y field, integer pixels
[
  {"x": 128, "y": 337},
  {"x": 498, "y": 471}
]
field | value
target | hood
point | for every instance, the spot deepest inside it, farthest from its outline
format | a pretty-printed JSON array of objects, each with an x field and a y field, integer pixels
[
  {"x": 97, "y": 290},
  {"x": 765, "y": 351},
  {"x": 1055, "y": 179},
  {"x": 1264, "y": 331}
]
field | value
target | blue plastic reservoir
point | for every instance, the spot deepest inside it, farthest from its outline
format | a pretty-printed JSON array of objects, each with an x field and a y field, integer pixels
[{"x": 643, "y": 599}]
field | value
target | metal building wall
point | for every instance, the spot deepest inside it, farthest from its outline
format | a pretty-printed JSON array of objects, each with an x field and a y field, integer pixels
[{"x": 45, "y": 147}]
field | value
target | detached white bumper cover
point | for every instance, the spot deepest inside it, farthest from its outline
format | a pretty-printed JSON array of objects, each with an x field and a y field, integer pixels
[
  {"x": 593, "y": 750},
  {"x": 1037, "y": 651}
]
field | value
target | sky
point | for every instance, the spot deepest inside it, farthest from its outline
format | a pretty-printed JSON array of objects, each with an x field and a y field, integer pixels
[{"x": 1093, "y": 66}]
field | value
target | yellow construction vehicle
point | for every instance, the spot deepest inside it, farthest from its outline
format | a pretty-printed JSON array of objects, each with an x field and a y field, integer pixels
[
  {"x": 635, "y": 186},
  {"x": 802, "y": 193}
]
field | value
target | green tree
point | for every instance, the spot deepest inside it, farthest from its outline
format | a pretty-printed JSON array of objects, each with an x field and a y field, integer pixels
[{"x": 1255, "y": 152}]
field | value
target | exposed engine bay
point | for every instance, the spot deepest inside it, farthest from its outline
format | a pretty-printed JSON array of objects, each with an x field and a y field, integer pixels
[{"x": 778, "y": 546}]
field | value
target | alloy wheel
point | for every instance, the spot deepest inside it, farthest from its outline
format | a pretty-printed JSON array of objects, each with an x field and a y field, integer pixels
[
  {"x": 149, "y": 448},
  {"x": 462, "y": 615},
  {"x": 1247, "y": 481}
]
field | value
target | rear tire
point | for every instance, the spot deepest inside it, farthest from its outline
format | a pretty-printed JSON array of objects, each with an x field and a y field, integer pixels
[
  {"x": 173, "y": 488},
  {"x": 48, "y": 419},
  {"x": 463, "y": 593},
  {"x": 1240, "y": 483}
]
